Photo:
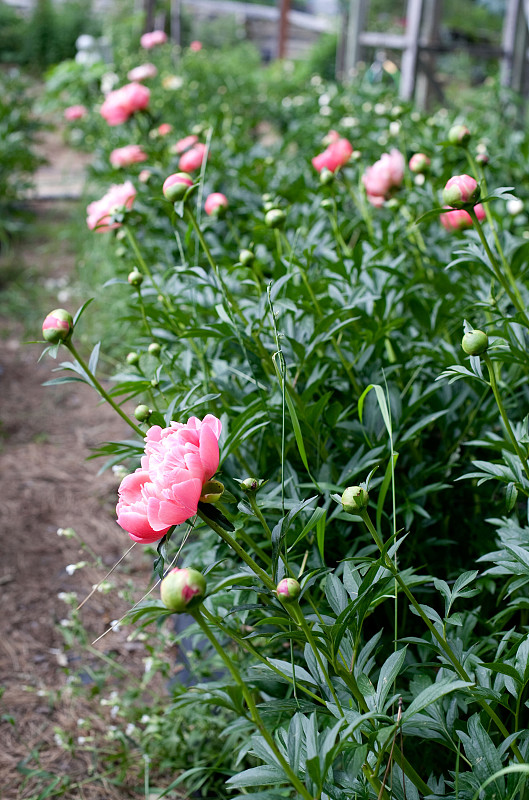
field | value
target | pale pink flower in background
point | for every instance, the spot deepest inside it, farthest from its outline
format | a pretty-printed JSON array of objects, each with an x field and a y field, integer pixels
[
  {"x": 122, "y": 103},
  {"x": 334, "y": 156},
  {"x": 383, "y": 176},
  {"x": 458, "y": 219},
  {"x": 216, "y": 203},
  {"x": 142, "y": 73},
  {"x": 153, "y": 39},
  {"x": 100, "y": 211},
  {"x": 164, "y": 129},
  {"x": 419, "y": 163},
  {"x": 144, "y": 175},
  {"x": 184, "y": 144},
  {"x": 166, "y": 489},
  {"x": 125, "y": 156},
  {"x": 192, "y": 159},
  {"x": 195, "y": 46},
  {"x": 73, "y": 113}
]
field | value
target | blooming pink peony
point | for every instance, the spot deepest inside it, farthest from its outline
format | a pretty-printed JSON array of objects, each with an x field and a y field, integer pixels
[
  {"x": 142, "y": 73},
  {"x": 166, "y": 489},
  {"x": 125, "y": 156},
  {"x": 334, "y": 156},
  {"x": 192, "y": 159},
  {"x": 216, "y": 203},
  {"x": 153, "y": 39},
  {"x": 123, "y": 103},
  {"x": 461, "y": 190},
  {"x": 100, "y": 211},
  {"x": 195, "y": 46},
  {"x": 459, "y": 219},
  {"x": 385, "y": 174},
  {"x": 184, "y": 144},
  {"x": 73, "y": 113}
]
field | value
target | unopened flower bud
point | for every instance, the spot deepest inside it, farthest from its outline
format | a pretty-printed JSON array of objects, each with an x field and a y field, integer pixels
[
  {"x": 514, "y": 206},
  {"x": 211, "y": 491},
  {"x": 142, "y": 413},
  {"x": 327, "y": 204},
  {"x": 326, "y": 176},
  {"x": 482, "y": 158},
  {"x": 133, "y": 359},
  {"x": 216, "y": 204},
  {"x": 246, "y": 257},
  {"x": 419, "y": 163},
  {"x": 58, "y": 326},
  {"x": 175, "y": 186},
  {"x": 267, "y": 198},
  {"x": 460, "y": 191},
  {"x": 288, "y": 590},
  {"x": 354, "y": 499},
  {"x": 182, "y": 589},
  {"x": 459, "y": 134},
  {"x": 154, "y": 349},
  {"x": 135, "y": 278},
  {"x": 249, "y": 485},
  {"x": 475, "y": 343},
  {"x": 275, "y": 218}
]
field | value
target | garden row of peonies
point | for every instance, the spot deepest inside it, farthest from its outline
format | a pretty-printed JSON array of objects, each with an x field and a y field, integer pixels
[{"x": 298, "y": 268}]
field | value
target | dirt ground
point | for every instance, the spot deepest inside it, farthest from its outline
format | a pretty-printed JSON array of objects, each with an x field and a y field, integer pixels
[{"x": 46, "y": 435}]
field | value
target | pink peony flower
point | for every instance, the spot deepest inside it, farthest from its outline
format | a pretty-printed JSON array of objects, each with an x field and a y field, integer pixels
[
  {"x": 125, "y": 156},
  {"x": 383, "y": 176},
  {"x": 184, "y": 144},
  {"x": 215, "y": 204},
  {"x": 73, "y": 113},
  {"x": 459, "y": 219},
  {"x": 334, "y": 156},
  {"x": 122, "y": 103},
  {"x": 142, "y": 73},
  {"x": 166, "y": 489},
  {"x": 195, "y": 46},
  {"x": 100, "y": 211},
  {"x": 461, "y": 190},
  {"x": 192, "y": 159},
  {"x": 164, "y": 129},
  {"x": 153, "y": 39}
]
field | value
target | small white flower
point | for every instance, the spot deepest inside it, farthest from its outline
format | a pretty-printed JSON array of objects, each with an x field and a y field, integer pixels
[
  {"x": 325, "y": 111},
  {"x": 379, "y": 108},
  {"x": 148, "y": 664},
  {"x": 71, "y": 568},
  {"x": 68, "y": 533},
  {"x": 115, "y": 625},
  {"x": 316, "y": 80},
  {"x": 394, "y": 128},
  {"x": 80, "y": 722},
  {"x": 81, "y": 739},
  {"x": 114, "y": 711},
  {"x": 415, "y": 116},
  {"x": 514, "y": 206},
  {"x": 286, "y": 102},
  {"x": 367, "y": 107},
  {"x": 145, "y": 719},
  {"x": 419, "y": 179},
  {"x": 131, "y": 729},
  {"x": 324, "y": 99}
]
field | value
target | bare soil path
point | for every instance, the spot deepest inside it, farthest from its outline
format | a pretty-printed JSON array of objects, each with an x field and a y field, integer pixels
[{"x": 46, "y": 434}]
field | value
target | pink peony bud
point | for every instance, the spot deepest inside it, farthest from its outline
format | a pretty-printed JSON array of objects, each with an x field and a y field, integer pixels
[
  {"x": 153, "y": 39},
  {"x": 383, "y": 176},
  {"x": 122, "y": 103},
  {"x": 175, "y": 186},
  {"x": 125, "y": 156},
  {"x": 184, "y": 144},
  {"x": 183, "y": 589},
  {"x": 336, "y": 155},
  {"x": 57, "y": 326},
  {"x": 195, "y": 46},
  {"x": 288, "y": 590},
  {"x": 459, "y": 134},
  {"x": 419, "y": 163},
  {"x": 142, "y": 73},
  {"x": 461, "y": 190},
  {"x": 459, "y": 219},
  {"x": 192, "y": 159},
  {"x": 73, "y": 113},
  {"x": 164, "y": 129},
  {"x": 216, "y": 204}
]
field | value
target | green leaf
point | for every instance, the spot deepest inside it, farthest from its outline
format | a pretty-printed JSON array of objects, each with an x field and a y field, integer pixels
[
  {"x": 258, "y": 776},
  {"x": 431, "y": 694},
  {"x": 388, "y": 674}
]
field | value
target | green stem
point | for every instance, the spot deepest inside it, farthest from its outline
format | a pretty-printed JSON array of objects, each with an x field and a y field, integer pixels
[
  {"x": 252, "y": 708},
  {"x": 505, "y": 418},
  {"x": 143, "y": 313},
  {"x": 100, "y": 389},
  {"x": 435, "y": 633}
]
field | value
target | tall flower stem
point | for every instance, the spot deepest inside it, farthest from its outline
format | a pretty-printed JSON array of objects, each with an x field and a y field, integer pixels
[
  {"x": 104, "y": 394},
  {"x": 505, "y": 418},
  {"x": 460, "y": 670},
  {"x": 252, "y": 708}
]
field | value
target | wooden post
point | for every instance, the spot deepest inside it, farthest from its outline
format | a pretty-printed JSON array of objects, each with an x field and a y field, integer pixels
[
  {"x": 355, "y": 26},
  {"x": 514, "y": 44},
  {"x": 176, "y": 30},
  {"x": 148, "y": 10},
  {"x": 432, "y": 15},
  {"x": 283, "y": 28},
  {"x": 408, "y": 69}
]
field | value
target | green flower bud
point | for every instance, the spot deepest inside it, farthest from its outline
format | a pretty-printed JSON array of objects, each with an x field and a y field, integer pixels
[
  {"x": 211, "y": 491},
  {"x": 246, "y": 257},
  {"x": 275, "y": 218},
  {"x": 183, "y": 589},
  {"x": 475, "y": 343},
  {"x": 459, "y": 134},
  {"x": 142, "y": 413},
  {"x": 58, "y": 326},
  {"x": 327, "y": 204},
  {"x": 249, "y": 485},
  {"x": 354, "y": 499},
  {"x": 133, "y": 359},
  {"x": 154, "y": 349},
  {"x": 326, "y": 177},
  {"x": 135, "y": 278},
  {"x": 288, "y": 590}
]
